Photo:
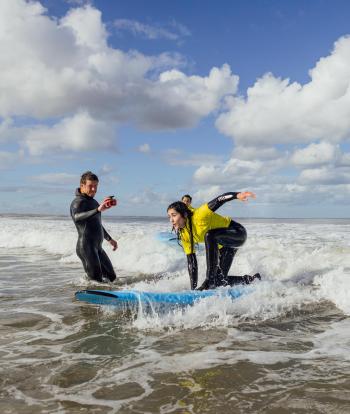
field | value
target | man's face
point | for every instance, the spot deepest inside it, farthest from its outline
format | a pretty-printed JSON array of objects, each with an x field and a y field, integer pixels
[
  {"x": 89, "y": 188},
  {"x": 186, "y": 200}
]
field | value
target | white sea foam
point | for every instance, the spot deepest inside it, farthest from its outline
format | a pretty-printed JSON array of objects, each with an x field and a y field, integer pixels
[
  {"x": 264, "y": 301},
  {"x": 300, "y": 263},
  {"x": 290, "y": 315},
  {"x": 138, "y": 250},
  {"x": 335, "y": 286},
  {"x": 326, "y": 345}
]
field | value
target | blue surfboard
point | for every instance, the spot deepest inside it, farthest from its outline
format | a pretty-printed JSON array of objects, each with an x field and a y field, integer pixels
[
  {"x": 134, "y": 298},
  {"x": 171, "y": 239},
  {"x": 168, "y": 237}
]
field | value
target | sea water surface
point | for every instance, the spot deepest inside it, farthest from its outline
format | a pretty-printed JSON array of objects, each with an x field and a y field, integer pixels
[{"x": 282, "y": 348}]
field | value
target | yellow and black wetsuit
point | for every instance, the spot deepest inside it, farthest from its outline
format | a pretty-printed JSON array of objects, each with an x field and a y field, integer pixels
[
  {"x": 87, "y": 220},
  {"x": 221, "y": 235}
]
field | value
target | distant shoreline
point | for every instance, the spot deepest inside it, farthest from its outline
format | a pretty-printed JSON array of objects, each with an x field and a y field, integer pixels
[{"x": 161, "y": 218}]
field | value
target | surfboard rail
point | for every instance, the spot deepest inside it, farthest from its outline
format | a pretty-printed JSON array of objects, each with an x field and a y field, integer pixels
[{"x": 135, "y": 297}]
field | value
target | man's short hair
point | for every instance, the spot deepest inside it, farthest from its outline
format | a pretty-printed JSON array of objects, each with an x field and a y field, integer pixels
[
  {"x": 88, "y": 175},
  {"x": 186, "y": 195}
]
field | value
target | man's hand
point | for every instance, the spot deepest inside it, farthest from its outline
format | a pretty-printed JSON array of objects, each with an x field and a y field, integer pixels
[
  {"x": 106, "y": 204},
  {"x": 245, "y": 195},
  {"x": 114, "y": 244}
]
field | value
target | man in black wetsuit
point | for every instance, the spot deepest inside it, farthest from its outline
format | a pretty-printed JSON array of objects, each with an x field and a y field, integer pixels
[{"x": 86, "y": 214}]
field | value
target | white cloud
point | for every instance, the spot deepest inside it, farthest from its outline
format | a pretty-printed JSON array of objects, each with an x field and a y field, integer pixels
[
  {"x": 78, "y": 133},
  {"x": 276, "y": 111},
  {"x": 57, "y": 67},
  {"x": 56, "y": 178},
  {"x": 344, "y": 159},
  {"x": 144, "y": 148},
  {"x": 315, "y": 154},
  {"x": 189, "y": 98},
  {"x": 314, "y": 119},
  {"x": 276, "y": 182},
  {"x": 206, "y": 194},
  {"x": 152, "y": 31},
  {"x": 178, "y": 157},
  {"x": 148, "y": 196},
  {"x": 325, "y": 176},
  {"x": 235, "y": 172},
  {"x": 105, "y": 170},
  {"x": 256, "y": 153},
  {"x": 86, "y": 25},
  {"x": 8, "y": 159}
]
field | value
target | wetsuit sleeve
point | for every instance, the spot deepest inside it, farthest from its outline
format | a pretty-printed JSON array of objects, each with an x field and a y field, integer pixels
[
  {"x": 79, "y": 215},
  {"x": 84, "y": 215},
  {"x": 221, "y": 199},
  {"x": 192, "y": 269},
  {"x": 106, "y": 235}
]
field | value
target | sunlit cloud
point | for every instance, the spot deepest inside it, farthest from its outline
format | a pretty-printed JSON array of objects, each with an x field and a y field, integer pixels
[
  {"x": 67, "y": 66},
  {"x": 278, "y": 111}
]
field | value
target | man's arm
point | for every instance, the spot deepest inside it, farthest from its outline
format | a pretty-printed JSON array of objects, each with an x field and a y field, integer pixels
[
  {"x": 111, "y": 241},
  {"x": 192, "y": 269},
  {"x": 221, "y": 199},
  {"x": 106, "y": 235},
  {"x": 79, "y": 215}
]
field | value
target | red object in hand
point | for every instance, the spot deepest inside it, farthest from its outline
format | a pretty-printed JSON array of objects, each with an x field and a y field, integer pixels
[{"x": 111, "y": 202}]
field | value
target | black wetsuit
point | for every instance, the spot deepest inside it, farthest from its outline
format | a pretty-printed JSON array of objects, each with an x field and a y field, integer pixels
[
  {"x": 87, "y": 220},
  {"x": 219, "y": 260}
]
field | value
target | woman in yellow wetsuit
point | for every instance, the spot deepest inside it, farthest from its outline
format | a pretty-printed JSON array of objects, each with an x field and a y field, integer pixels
[{"x": 221, "y": 235}]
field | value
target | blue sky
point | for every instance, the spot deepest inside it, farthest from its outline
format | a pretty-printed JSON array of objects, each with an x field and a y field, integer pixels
[{"x": 166, "y": 98}]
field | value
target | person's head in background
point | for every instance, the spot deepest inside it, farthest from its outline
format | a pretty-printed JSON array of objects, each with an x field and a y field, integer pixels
[
  {"x": 187, "y": 199},
  {"x": 89, "y": 183}
]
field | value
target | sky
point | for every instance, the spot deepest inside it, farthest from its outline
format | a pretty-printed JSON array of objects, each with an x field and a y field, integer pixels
[{"x": 163, "y": 98}]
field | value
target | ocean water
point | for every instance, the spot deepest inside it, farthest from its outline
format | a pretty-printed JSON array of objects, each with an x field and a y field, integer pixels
[{"x": 282, "y": 348}]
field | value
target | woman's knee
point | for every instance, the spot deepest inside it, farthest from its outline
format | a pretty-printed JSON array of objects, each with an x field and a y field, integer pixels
[
  {"x": 239, "y": 233},
  {"x": 243, "y": 234}
]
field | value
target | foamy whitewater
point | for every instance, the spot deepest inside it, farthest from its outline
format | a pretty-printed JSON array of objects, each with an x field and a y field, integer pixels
[{"x": 283, "y": 347}]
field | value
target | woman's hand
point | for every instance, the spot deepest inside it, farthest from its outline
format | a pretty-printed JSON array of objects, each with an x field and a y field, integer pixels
[{"x": 245, "y": 195}]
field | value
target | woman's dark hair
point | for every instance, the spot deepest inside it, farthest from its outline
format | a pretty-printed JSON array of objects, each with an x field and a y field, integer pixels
[
  {"x": 187, "y": 196},
  {"x": 88, "y": 175},
  {"x": 181, "y": 208}
]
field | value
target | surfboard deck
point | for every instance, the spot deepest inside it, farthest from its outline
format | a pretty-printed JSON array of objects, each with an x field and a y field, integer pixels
[
  {"x": 168, "y": 238},
  {"x": 135, "y": 297},
  {"x": 171, "y": 240}
]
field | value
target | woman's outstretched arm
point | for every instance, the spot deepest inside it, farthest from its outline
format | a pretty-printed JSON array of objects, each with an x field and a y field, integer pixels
[{"x": 224, "y": 198}]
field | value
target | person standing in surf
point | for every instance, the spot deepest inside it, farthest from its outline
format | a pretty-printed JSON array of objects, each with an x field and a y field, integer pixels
[
  {"x": 86, "y": 214},
  {"x": 221, "y": 235}
]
